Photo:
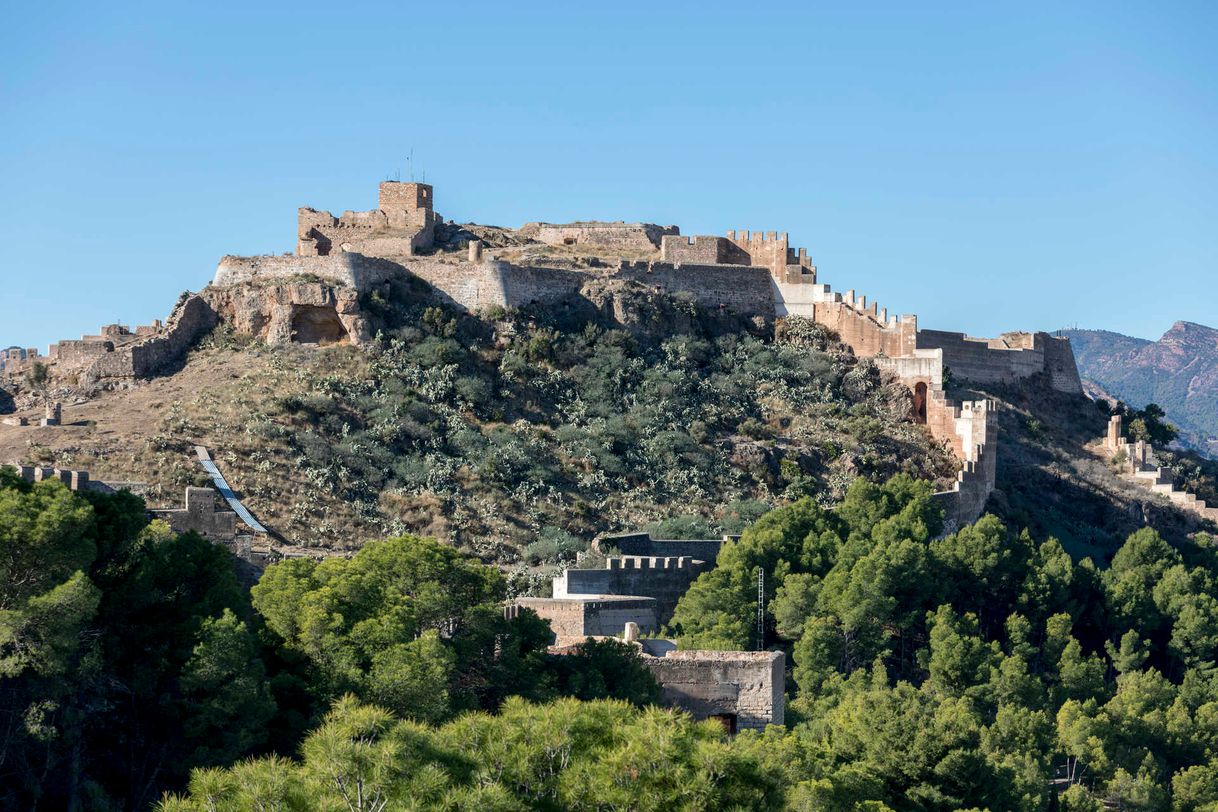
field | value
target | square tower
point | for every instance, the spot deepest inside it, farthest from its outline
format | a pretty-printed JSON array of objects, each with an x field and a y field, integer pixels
[{"x": 396, "y": 196}]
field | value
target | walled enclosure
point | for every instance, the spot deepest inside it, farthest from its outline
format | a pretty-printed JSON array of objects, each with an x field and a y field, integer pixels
[
  {"x": 663, "y": 579},
  {"x": 120, "y": 354}
]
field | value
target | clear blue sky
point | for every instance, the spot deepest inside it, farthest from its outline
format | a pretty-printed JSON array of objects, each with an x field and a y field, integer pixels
[{"x": 986, "y": 166}]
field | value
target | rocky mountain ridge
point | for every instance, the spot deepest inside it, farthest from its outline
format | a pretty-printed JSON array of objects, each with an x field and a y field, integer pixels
[{"x": 1179, "y": 372}]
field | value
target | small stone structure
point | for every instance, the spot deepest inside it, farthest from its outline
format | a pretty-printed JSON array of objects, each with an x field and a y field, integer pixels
[
  {"x": 742, "y": 689},
  {"x": 54, "y": 415},
  {"x": 1137, "y": 461},
  {"x": 579, "y": 617},
  {"x": 199, "y": 514},
  {"x": 663, "y": 579},
  {"x": 641, "y": 587}
]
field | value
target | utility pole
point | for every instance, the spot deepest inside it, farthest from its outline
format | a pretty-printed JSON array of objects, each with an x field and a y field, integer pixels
[{"x": 760, "y": 608}]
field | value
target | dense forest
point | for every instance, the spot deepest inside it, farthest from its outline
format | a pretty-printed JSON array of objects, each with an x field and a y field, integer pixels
[{"x": 983, "y": 669}]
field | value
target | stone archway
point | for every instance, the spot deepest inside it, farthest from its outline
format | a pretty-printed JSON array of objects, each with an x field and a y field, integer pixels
[
  {"x": 317, "y": 324},
  {"x": 919, "y": 403}
]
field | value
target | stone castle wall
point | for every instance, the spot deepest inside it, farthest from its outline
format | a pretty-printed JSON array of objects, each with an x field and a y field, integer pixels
[
  {"x": 642, "y": 544},
  {"x": 1006, "y": 359},
  {"x": 346, "y": 269},
  {"x": 624, "y": 236},
  {"x": 664, "y": 579},
  {"x": 747, "y": 686},
  {"x": 575, "y": 618},
  {"x": 402, "y": 223}
]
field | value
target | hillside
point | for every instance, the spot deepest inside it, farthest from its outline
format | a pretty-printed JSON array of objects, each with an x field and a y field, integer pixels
[
  {"x": 494, "y": 432},
  {"x": 1179, "y": 372}
]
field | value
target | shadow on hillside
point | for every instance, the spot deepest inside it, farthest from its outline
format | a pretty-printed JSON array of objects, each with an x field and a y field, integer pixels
[{"x": 7, "y": 406}]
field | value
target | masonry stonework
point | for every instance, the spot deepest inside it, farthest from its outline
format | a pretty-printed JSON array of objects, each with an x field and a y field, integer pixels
[{"x": 743, "y": 689}]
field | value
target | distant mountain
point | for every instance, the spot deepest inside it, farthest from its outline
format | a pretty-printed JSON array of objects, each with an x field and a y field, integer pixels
[{"x": 1179, "y": 372}]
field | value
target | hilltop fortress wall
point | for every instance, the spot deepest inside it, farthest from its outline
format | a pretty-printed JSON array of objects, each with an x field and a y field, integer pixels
[{"x": 318, "y": 295}]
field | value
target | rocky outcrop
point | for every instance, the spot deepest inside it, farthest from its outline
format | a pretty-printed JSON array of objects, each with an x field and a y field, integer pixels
[{"x": 302, "y": 312}]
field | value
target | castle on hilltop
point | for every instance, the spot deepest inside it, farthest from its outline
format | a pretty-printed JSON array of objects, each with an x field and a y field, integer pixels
[{"x": 318, "y": 294}]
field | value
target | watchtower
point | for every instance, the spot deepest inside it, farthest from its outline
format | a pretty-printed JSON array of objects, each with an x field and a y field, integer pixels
[{"x": 396, "y": 196}]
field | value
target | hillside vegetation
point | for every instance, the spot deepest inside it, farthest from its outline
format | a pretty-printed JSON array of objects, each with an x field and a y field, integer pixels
[
  {"x": 494, "y": 431},
  {"x": 982, "y": 670}
]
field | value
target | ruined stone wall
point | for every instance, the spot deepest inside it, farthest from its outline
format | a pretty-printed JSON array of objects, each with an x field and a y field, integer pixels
[
  {"x": 664, "y": 579},
  {"x": 627, "y": 236},
  {"x": 868, "y": 330},
  {"x": 403, "y": 223},
  {"x": 349, "y": 269},
  {"x": 73, "y": 355},
  {"x": 191, "y": 319},
  {"x": 199, "y": 514},
  {"x": 642, "y": 544},
  {"x": 702, "y": 250},
  {"x": 739, "y": 288},
  {"x": 574, "y": 618},
  {"x": 1006, "y": 359},
  {"x": 747, "y": 685}
]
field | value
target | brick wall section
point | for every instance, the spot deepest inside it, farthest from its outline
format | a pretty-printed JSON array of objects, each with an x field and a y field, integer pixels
[{"x": 746, "y": 684}]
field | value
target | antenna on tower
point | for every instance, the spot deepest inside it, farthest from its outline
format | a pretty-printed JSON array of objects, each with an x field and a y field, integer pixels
[
  {"x": 760, "y": 608},
  {"x": 410, "y": 163}
]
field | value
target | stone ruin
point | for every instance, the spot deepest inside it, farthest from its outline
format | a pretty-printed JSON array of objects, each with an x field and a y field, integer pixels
[
  {"x": 119, "y": 355},
  {"x": 1136, "y": 461},
  {"x": 199, "y": 512},
  {"x": 636, "y": 593},
  {"x": 318, "y": 295}
]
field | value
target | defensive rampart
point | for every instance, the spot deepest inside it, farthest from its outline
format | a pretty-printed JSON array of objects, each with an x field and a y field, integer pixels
[
  {"x": 642, "y": 544},
  {"x": 1137, "y": 461},
  {"x": 664, "y": 579},
  {"x": 1005, "y": 359},
  {"x": 623, "y": 236},
  {"x": 403, "y": 223},
  {"x": 351, "y": 270}
]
